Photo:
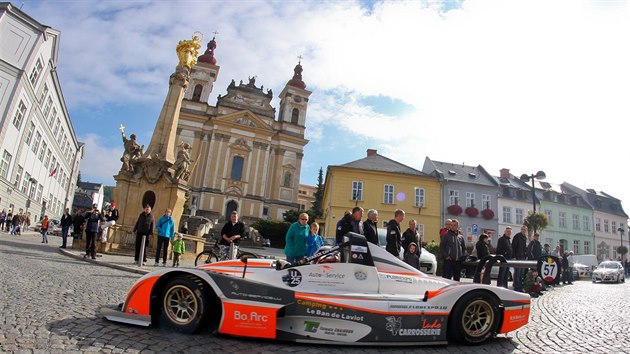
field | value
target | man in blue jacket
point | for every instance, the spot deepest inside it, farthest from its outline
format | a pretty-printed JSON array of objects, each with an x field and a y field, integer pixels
[{"x": 166, "y": 232}]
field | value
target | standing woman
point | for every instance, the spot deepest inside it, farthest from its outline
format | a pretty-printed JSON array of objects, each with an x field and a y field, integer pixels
[
  {"x": 295, "y": 248},
  {"x": 91, "y": 230}
]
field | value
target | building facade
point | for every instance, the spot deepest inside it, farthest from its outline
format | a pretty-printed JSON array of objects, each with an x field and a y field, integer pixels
[
  {"x": 376, "y": 182},
  {"x": 40, "y": 154},
  {"x": 515, "y": 202},
  {"x": 245, "y": 159},
  {"x": 306, "y": 197},
  {"x": 469, "y": 194}
]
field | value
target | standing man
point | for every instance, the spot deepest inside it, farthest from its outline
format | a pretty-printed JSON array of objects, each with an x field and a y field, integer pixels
[
  {"x": 231, "y": 234},
  {"x": 519, "y": 252},
  {"x": 504, "y": 248},
  {"x": 295, "y": 248},
  {"x": 447, "y": 226},
  {"x": 350, "y": 223},
  {"x": 144, "y": 227},
  {"x": 66, "y": 222},
  {"x": 370, "y": 228},
  {"x": 166, "y": 232},
  {"x": 91, "y": 231},
  {"x": 78, "y": 222},
  {"x": 453, "y": 249},
  {"x": 394, "y": 237},
  {"x": 110, "y": 220},
  {"x": 534, "y": 249},
  {"x": 411, "y": 235}
]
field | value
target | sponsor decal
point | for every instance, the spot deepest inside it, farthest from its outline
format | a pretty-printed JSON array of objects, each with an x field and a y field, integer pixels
[
  {"x": 358, "y": 249},
  {"x": 394, "y": 325},
  {"x": 416, "y": 306},
  {"x": 250, "y": 321},
  {"x": 360, "y": 275},
  {"x": 325, "y": 275},
  {"x": 332, "y": 314},
  {"x": 316, "y": 327},
  {"x": 397, "y": 278},
  {"x": 311, "y": 326},
  {"x": 292, "y": 278}
]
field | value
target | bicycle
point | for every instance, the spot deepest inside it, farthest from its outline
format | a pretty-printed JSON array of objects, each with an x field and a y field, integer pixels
[{"x": 219, "y": 252}]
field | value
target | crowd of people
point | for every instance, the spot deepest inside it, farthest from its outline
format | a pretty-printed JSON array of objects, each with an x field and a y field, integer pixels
[{"x": 14, "y": 223}]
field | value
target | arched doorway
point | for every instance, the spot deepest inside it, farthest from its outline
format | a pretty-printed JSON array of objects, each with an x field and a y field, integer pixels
[
  {"x": 229, "y": 208},
  {"x": 148, "y": 198}
]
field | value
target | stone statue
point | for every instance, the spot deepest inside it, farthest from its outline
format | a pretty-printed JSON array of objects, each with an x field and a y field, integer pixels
[
  {"x": 182, "y": 164},
  {"x": 132, "y": 150},
  {"x": 188, "y": 51}
]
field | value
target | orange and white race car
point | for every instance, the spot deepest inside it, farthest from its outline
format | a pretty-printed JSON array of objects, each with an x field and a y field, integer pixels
[{"x": 365, "y": 296}]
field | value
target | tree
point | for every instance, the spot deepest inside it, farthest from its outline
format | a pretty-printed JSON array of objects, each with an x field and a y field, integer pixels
[
  {"x": 291, "y": 216},
  {"x": 275, "y": 231},
  {"x": 316, "y": 210},
  {"x": 622, "y": 250},
  {"x": 536, "y": 221},
  {"x": 108, "y": 194},
  {"x": 79, "y": 178}
]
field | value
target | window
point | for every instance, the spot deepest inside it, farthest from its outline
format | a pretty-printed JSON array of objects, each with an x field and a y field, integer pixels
[
  {"x": 44, "y": 93},
  {"x": 18, "y": 176},
  {"x": 53, "y": 164},
  {"x": 507, "y": 214},
  {"x": 453, "y": 197},
  {"x": 576, "y": 222},
  {"x": 48, "y": 153},
  {"x": 295, "y": 114},
  {"x": 562, "y": 219},
  {"x": 265, "y": 211},
  {"x": 57, "y": 125},
  {"x": 40, "y": 190},
  {"x": 38, "y": 138},
  {"x": 287, "y": 179},
  {"x": 586, "y": 223},
  {"x": 357, "y": 190},
  {"x": 420, "y": 229},
  {"x": 485, "y": 201},
  {"x": 237, "y": 168},
  {"x": 587, "y": 247},
  {"x": 388, "y": 194},
  {"x": 470, "y": 199},
  {"x": 36, "y": 71},
  {"x": 606, "y": 228},
  {"x": 197, "y": 93},
  {"x": 614, "y": 227},
  {"x": 576, "y": 246},
  {"x": 47, "y": 107},
  {"x": 598, "y": 224},
  {"x": 419, "y": 197},
  {"x": 42, "y": 151},
  {"x": 19, "y": 115},
  {"x": 518, "y": 214},
  {"x": 4, "y": 164},
  {"x": 29, "y": 134},
  {"x": 25, "y": 182},
  {"x": 548, "y": 214},
  {"x": 31, "y": 189},
  {"x": 51, "y": 121}
]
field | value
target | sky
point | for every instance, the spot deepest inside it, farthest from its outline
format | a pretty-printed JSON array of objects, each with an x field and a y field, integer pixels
[{"x": 524, "y": 85}]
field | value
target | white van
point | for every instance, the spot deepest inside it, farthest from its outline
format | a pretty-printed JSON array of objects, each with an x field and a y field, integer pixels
[{"x": 586, "y": 259}]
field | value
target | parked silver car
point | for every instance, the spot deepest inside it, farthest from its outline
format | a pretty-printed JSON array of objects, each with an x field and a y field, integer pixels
[{"x": 609, "y": 271}]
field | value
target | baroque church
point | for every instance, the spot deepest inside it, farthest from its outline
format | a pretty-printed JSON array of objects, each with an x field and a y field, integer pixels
[{"x": 244, "y": 159}]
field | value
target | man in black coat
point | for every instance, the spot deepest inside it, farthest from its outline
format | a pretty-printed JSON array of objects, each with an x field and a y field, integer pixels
[
  {"x": 411, "y": 235},
  {"x": 504, "y": 248},
  {"x": 519, "y": 252},
  {"x": 350, "y": 223},
  {"x": 370, "y": 228},
  {"x": 453, "y": 249},
  {"x": 394, "y": 237},
  {"x": 534, "y": 249},
  {"x": 144, "y": 227},
  {"x": 66, "y": 222}
]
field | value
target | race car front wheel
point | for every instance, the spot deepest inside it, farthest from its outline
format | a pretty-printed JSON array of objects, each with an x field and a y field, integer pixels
[
  {"x": 183, "y": 306},
  {"x": 474, "y": 318}
]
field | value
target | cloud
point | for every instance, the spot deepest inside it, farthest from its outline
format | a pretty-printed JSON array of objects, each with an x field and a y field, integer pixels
[{"x": 100, "y": 162}]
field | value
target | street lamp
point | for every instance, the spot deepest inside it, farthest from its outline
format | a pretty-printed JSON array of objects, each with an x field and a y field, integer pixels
[
  {"x": 540, "y": 175},
  {"x": 621, "y": 231}
]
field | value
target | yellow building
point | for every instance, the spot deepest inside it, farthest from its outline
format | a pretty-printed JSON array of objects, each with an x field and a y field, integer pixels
[
  {"x": 245, "y": 157},
  {"x": 376, "y": 182}
]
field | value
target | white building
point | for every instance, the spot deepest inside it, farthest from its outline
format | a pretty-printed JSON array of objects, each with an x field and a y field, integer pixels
[{"x": 39, "y": 151}]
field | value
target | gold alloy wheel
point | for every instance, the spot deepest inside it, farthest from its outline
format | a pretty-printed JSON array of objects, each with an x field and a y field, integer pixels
[
  {"x": 478, "y": 318},
  {"x": 180, "y": 305}
]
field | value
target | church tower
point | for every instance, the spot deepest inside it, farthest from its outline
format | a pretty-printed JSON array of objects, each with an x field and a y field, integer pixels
[
  {"x": 293, "y": 103},
  {"x": 203, "y": 75}
]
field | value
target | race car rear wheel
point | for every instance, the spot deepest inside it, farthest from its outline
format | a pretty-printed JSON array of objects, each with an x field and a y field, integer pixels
[
  {"x": 474, "y": 318},
  {"x": 183, "y": 304}
]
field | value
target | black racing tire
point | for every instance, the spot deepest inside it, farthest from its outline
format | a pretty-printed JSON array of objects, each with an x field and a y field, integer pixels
[
  {"x": 474, "y": 319},
  {"x": 206, "y": 257},
  {"x": 183, "y": 305}
]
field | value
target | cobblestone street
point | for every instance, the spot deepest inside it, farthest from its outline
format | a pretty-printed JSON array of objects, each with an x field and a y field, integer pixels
[{"x": 49, "y": 302}]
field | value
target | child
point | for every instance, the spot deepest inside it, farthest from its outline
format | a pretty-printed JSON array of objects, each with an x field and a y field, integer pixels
[
  {"x": 178, "y": 249},
  {"x": 532, "y": 283},
  {"x": 313, "y": 240},
  {"x": 411, "y": 256}
]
